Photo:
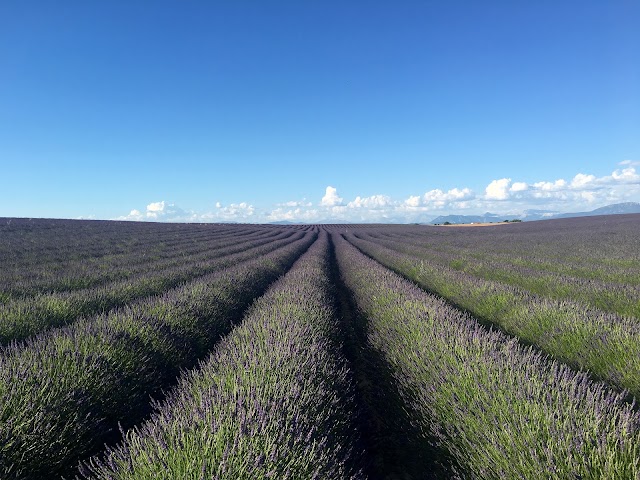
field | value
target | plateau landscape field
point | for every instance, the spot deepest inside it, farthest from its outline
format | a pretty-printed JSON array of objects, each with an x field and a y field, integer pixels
[{"x": 149, "y": 350}]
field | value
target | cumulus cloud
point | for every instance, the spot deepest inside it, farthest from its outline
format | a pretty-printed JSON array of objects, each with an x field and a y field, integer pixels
[
  {"x": 373, "y": 202},
  {"x": 136, "y": 215},
  {"x": 296, "y": 203},
  {"x": 439, "y": 199},
  {"x": 631, "y": 163},
  {"x": 413, "y": 201},
  {"x": 626, "y": 175},
  {"x": 498, "y": 189},
  {"x": 294, "y": 215},
  {"x": 331, "y": 197},
  {"x": 168, "y": 212},
  {"x": 234, "y": 212},
  {"x": 156, "y": 208},
  {"x": 582, "y": 181},
  {"x": 582, "y": 191},
  {"x": 159, "y": 212},
  {"x": 519, "y": 187},
  {"x": 551, "y": 186}
]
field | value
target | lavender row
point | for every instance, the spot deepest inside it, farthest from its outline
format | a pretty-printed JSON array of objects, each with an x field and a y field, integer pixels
[
  {"x": 272, "y": 401},
  {"x": 499, "y": 409},
  {"x": 64, "y": 275},
  {"x": 605, "y": 344},
  {"x": 29, "y": 243},
  {"x": 615, "y": 294},
  {"x": 607, "y": 241},
  {"x": 63, "y": 395},
  {"x": 605, "y": 256},
  {"x": 22, "y": 318},
  {"x": 600, "y": 259}
]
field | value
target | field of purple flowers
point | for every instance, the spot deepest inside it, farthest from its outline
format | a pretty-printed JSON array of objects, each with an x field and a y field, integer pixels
[{"x": 186, "y": 351}]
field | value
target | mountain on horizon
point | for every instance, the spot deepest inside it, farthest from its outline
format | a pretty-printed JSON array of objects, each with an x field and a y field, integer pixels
[
  {"x": 484, "y": 218},
  {"x": 615, "y": 209},
  {"x": 532, "y": 215},
  {"x": 282, "y": 222}
]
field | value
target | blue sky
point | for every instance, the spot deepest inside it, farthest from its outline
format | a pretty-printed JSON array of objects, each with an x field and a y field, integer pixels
[{"x": 317, "y": 111}]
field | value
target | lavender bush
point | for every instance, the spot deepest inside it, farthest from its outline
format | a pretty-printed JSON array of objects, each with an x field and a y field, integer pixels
[
  {"x": 21, "y": 280},
  {"x": 606, "y": 345},
  {"x": 273, "y": 400},
  {"x": 501, "y": 410},
  {"x": 25, "y": 317},
  {"x": 63, "y": 394},
  {"x": 547, "y": 268}
]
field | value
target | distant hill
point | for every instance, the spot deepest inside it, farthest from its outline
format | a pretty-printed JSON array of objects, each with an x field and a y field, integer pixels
[
  {"x": 485, "y": 218},
  {"x": 530, "y": 215},
  {"x": 282, "y": 222},
  {"x": 537, "y": 214},
  {"x": 615, "y": 209}
]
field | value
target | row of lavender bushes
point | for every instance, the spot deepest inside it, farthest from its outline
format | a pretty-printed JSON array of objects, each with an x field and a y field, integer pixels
[
  {"x": 610, "y": 290},
  {"x": 41, "y": 259},
  {"x": 23, "y": 318},
  {"x": 30, "y": 242},
  {"x": 605, "y": 344},
  {"x": 499, "y": 409},
  {"x": 22, "y": 280},
  {"x": 64, "y": 393},
  {"x": 599, "y": 245},
  {"x": 606, "y": 255},
  {"x": 273, "y": 401}
]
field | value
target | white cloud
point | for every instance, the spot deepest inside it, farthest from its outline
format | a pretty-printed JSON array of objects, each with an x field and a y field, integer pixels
[
  {"x": 412, "y": 201},
  {"x": 331, "y": 198},
  {"x": 293, "y": 215},
  {"x": 159, "y": 212},
  {"x": 626, "y": 175},
  {"x": 551, "y": 186},
  {"x": 589, "y": 197},
  {"x": 586, "y": 190},
  {"x": 631, "y": 163},
  {"x": 439, "y": 199},
  {"x": 134, "y": 215},
  {"x": 296, "y": 203},
  {"x": 169, "y": 212},
  {"x": 519, "y": 187},
  {"x": 581, "y": 180},
  {"x": 156, "y": 207},
  {"x": 498, "y": 189},
  {"x": 373, "y": 202},
  {"x": 234, "y": 212},
  {"x": 502, "y": 196}
]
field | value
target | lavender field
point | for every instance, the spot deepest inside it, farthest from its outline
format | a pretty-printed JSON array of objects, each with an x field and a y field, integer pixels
[{"x": 233, "y": 351}]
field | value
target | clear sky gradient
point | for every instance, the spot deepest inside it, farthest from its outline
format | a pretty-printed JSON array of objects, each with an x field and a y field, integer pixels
[{"x": 249, "y": 111}]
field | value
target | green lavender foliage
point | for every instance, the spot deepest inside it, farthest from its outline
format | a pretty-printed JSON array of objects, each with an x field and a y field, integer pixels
[
  {"x": 501, "y": 410},
  {"x": 22, "y": 318},
  {"x": 44, "y": 272},
  {"x": 606, "y": 345},
  {"x": 272, "y": 401},
  {"x": 554, "y": 266},
  {"x": 64, "y": 393}
]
